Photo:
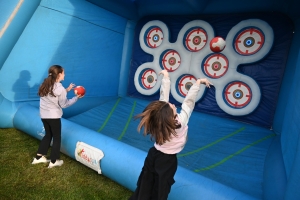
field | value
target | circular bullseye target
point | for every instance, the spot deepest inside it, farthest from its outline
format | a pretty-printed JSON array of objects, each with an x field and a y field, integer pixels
[
  {"x": 215, "y": 65},
  {"x": 148, "y": 78},
  {"x": 237, "y": 94},
  {"x": 170, "y": 60},
  {"x": 195, "y": 39},
  {"x": 184, "y": 83},
  {"x": 249, "y": 41},
  {"x": 153, "y": 37}
]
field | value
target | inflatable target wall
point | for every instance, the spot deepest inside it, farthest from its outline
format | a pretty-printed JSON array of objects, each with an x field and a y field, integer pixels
[{"x": 243, "y": 138}]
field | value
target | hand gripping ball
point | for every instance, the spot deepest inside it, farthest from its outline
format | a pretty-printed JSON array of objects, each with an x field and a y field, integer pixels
[
  {"x": 80, "y": 90},
  {"x": 217, "y": 44}
]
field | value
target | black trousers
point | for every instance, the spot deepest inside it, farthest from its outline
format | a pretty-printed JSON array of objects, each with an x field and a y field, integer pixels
[
  {"x": 53, "y": 130},
  {"x": 157, "y": 176}
]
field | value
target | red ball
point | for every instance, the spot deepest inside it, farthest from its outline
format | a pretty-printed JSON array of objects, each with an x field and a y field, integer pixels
[
  {"x": 80, "y": 90},
  {"x": 217, "y": 44}
]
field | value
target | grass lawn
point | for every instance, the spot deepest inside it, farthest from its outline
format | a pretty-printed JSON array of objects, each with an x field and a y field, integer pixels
[{"x": 19, "y": 179}]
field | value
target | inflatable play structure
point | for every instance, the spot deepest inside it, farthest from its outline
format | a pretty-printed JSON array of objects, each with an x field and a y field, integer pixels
[{"x": 244, "y": 134}]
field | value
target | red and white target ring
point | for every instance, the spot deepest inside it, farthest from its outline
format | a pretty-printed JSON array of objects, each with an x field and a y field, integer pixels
[
  {"x": 195, "y": 39},
  {"x": 171, "y": 60},
  {"x": 154, "y": 37},
  {"x": 238, "y": 94},
  {"x": 149, "y": 78},
  {"x": 185, "y": 83},
  {"x": 249, "y": 41},
  {"x": 216, "y": 65}
]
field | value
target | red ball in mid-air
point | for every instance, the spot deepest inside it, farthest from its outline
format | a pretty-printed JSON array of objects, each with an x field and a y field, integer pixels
[
  {"x": 79, "y": 90},
  {"x": 217, "y": 44}
]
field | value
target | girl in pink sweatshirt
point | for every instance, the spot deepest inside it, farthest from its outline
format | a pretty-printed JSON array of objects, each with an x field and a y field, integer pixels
[{"x": 169, "y": 130}]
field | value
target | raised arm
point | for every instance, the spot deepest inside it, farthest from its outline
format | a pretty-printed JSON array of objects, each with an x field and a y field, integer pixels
[
  {"x": 165, "y": 86},
  {"x": 188, "y": 104}
]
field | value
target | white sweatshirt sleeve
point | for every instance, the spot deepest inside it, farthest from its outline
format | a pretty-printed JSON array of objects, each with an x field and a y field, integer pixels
[
  {"x": 188, "y": 104},
  {"x": 63, "y": 101},
  {"x": 165, "y": 89}
]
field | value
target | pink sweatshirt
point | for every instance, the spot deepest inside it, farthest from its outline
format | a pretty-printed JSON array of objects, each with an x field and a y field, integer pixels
[{"x": 176, "y": 144}]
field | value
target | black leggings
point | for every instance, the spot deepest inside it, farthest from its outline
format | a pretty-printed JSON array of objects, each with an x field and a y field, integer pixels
[
  {"x": 53, "y": 130},
  {"x": 157, "y": 176}
]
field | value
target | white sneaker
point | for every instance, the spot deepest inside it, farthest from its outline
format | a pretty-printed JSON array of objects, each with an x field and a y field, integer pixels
[
  {"x": 57, "y": 163},
  {"x": 42, "y": 159}
]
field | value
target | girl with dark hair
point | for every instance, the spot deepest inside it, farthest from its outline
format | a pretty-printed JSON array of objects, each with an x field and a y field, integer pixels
[
  {"x": 169, "y": 130},
  {"x": 53, "y": 97}
]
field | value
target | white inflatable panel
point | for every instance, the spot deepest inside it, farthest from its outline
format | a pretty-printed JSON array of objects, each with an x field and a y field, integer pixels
[{"x": 190, "y": 58}]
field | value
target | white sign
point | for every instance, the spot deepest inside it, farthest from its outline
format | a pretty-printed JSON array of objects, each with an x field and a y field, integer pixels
[{"x": 89, "y": 156}]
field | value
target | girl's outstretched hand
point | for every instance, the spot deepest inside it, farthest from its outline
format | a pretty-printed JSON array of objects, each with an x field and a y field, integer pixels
[
  {"x": 71, "y": 86},
  {"x": 164, "y": 72},
  {"x": 204, "y": 81}
]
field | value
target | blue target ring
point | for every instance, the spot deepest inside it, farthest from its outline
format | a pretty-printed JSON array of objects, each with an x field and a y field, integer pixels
[
  {"x": 195, "y": 39},
  {"x": 249, "y": 42},
  {"x": 147, "y": 78},
  {"x": 238, "y": 95},
  {"x": 184, "y": 83},
  {"x": 153, "y": 37}
]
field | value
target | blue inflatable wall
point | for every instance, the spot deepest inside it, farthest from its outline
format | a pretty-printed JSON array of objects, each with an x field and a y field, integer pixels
[{"x": 255, "y": 156}]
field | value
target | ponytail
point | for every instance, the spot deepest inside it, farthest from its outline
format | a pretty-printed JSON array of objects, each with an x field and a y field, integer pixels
[{"x": 47, "y": 86}]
